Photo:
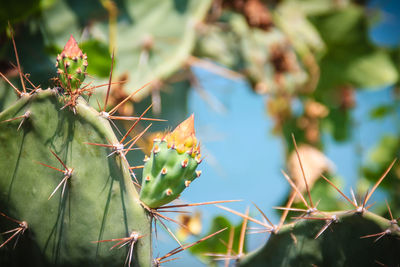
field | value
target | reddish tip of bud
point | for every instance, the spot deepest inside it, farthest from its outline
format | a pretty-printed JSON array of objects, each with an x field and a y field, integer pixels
[
  {"x": 183, "y": 137},
  {"x": 71, "y": 49},
  {"x": 186, "y": 128}
]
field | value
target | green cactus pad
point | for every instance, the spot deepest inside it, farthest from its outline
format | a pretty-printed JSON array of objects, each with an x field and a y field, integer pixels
[
  {"x": 166, "y": 174},
  {"x": 343, "y": 243},
  {"x": 99, "y": 203}
]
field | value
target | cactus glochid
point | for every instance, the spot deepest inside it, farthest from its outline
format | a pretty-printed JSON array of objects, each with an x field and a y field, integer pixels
[{"x": 171, "y": 166}]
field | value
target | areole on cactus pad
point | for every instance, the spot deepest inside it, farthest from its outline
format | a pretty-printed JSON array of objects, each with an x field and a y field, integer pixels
[{"x": 171, "y": 166}]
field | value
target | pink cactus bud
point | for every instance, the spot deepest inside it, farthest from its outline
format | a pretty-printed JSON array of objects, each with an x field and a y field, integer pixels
[{"x": 71, "y": 49}]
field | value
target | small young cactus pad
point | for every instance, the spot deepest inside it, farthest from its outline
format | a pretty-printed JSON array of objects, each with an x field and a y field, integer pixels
[
  {"x": 171, "y": 166},
  {"x": 71, "y": 66}
]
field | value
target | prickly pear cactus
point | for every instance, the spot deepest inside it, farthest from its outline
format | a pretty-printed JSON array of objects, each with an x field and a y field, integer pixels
[
  {"x": 71, "y": 66},
  {"x": 68, "y": 194},
  {"x": 171, "y": 166}
]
